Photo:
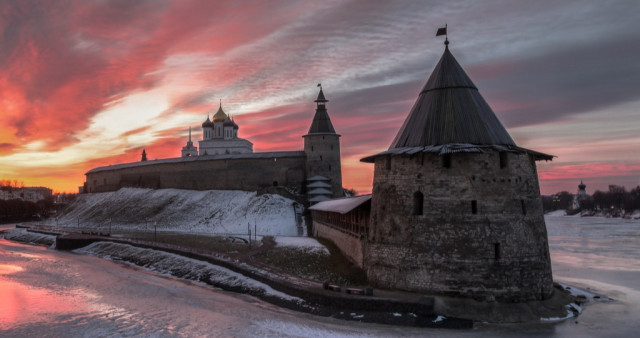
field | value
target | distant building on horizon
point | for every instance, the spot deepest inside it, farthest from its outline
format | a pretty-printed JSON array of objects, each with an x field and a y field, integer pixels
[
  {"x": 227, "y": 162},
  {"x": 30, "y": 194}
]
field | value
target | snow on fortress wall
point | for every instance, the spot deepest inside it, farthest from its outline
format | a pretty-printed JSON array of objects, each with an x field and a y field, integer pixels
[
  {"x": 249, "y": 172},
  {"x": 211, "y": 211}
]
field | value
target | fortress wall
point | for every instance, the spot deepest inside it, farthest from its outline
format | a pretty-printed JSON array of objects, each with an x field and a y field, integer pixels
[
  {"x": 349, "y": 245},
  {"x": 481, "y": 231},
  {"x": 250, "y": 174}
]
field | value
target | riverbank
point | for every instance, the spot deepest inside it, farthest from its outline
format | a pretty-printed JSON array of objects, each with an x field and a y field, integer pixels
[{"x": 389, "y": 307}]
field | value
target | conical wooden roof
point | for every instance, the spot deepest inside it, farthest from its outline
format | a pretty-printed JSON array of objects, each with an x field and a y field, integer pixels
[
  {"x": 450, "y": 116},
  {"x": 449, "y": 109},
  {"x": 321, "y": 123}
]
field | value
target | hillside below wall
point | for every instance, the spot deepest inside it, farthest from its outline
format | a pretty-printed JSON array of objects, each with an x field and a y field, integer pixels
[
  {"x": 249, "y": 174},
  {"x": 350, "y": 246}
]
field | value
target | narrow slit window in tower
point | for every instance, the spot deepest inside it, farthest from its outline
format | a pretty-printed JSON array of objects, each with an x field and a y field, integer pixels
[
  {"x": 474, "y": 207},
  {"x": 446, "y": 160},
  {"x": 504, "y": 160},
  {"x": 496, "y": 251},
  {"x": 388, "y": 164},
  {"x": 418, "y": 200},
  {"x": 524, "y": 207}
]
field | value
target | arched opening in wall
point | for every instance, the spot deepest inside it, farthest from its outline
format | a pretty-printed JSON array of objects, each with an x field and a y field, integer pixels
[
  {"x": 496, "y": 251},
  {"x": 524, "y": 207},
  {"x": 474, "y": 207},
  {"x": 446, "y": 160},
  {"x": 504, "y": 160},
  {"x": 418, "y": 201},
  {"x": 275, "y": 183}
]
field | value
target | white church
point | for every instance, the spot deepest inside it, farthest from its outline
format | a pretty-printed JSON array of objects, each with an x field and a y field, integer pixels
[{"x": 219, "y": 136}]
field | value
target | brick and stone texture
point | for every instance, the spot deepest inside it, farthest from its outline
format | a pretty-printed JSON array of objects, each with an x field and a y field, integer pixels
[
  {"x": 250, "y": 174},
  {"x": 479, "y": 231}
]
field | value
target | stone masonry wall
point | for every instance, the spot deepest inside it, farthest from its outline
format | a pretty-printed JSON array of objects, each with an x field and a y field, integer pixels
[
  {"x": 349, "y": 245},
  {"x": 323, "y": 158},
  {"x": 481, "y": 231},
  {"x": 250, "y": 174}
]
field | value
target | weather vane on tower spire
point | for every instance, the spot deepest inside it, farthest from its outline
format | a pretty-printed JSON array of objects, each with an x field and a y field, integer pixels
[{"x": 443, "y": 31}]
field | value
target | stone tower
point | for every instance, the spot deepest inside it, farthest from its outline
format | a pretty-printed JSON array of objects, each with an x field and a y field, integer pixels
[
  {"x": 189, "y": 149},
  {"x": 456, "y": 205},
  {"x": 322, "y": 148}
]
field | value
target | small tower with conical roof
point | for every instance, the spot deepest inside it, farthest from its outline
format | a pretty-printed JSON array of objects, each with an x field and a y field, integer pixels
[
  {"x": 456, "y": 205},
  {"x": 322, "y": 147},
  {"x": 144, "y": 155},
  {"x": 189, "y": 149}
]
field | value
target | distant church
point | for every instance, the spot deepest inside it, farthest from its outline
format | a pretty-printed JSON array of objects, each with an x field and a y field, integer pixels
[
  {"x": 227, "y": 162},
  {"x": 455, "y": 207},
  {"x": 219, "y": 136}
]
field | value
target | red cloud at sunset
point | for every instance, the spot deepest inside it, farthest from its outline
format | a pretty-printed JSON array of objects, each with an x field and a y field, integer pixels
[{"x": 86, "y": 84}]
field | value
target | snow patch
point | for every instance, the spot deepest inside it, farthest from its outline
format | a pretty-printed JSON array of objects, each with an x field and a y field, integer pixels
[
  {"x": 24, "y": 236},
  {"x": 210, "y": 211},
  {"x": 305, "y": 243},
  {"x": 439, "y": 319},
  {"x": 182, "y": 267}
]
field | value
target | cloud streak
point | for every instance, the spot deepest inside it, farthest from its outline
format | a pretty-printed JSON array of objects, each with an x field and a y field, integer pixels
[{"x": 87, "y": 83}]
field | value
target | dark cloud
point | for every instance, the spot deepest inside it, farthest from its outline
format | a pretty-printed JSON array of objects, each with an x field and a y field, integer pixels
[{"x": 565, "y": 81}]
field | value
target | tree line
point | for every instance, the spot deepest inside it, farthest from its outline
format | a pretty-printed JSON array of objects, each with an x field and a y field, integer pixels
[
  {"x": 617, "y": 198},
  {"x": 16, "y": 210}
]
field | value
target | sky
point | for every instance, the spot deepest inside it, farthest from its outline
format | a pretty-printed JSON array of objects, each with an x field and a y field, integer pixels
[{"x": 90, "y": 83}]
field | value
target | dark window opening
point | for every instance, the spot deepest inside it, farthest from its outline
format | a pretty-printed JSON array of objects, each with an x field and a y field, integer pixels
[
  {"x": 311, "y": 148},
  {"x": 504, "y": 160},
  {"x": 329, "y": 167},
  {"x": 474, "y": 207},
  {"x": 275, "y": 183},
  {"x": 320, "y": 157},
  {"x": 388, "y": 164},
  {"x": 418, "y": 200},
  {"x": 446, "y": 160},
  {"x": 524, "y": 207},
  {"x": 496, "y": 251}
]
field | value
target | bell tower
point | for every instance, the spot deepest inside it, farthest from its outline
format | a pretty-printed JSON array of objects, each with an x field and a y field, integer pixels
[{"x": 322, "y": 147}]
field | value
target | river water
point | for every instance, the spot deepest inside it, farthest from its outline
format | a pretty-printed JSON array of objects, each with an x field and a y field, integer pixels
[{"x": 44, "y": 292}]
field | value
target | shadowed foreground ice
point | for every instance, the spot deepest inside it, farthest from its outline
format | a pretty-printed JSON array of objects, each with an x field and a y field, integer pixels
[{"x": 45, "y": 292}]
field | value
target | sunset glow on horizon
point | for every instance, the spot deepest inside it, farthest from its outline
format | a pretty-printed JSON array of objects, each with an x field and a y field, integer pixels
[{"x": 92, "y": 83}]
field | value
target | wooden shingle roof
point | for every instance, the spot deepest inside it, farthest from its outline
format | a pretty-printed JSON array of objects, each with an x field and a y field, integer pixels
[
  {"x": 450, "y": 115},
  {"x": 450, "y": 109}
]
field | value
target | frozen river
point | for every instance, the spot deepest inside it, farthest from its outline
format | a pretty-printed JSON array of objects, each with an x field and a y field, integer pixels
[{"x": 49, "y": 293}]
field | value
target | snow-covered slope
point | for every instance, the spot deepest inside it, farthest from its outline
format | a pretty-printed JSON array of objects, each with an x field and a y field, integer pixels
[{"x": 210, "y": 211}]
